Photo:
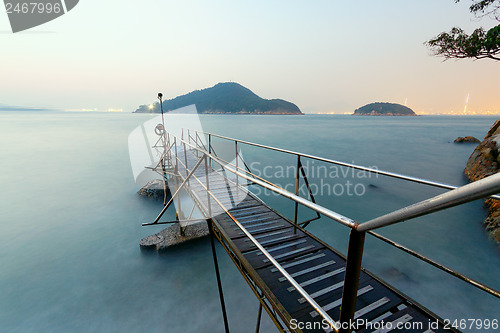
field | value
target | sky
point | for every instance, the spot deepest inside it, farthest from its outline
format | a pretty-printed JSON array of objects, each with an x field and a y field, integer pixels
[{"x": 324, "y": 56}]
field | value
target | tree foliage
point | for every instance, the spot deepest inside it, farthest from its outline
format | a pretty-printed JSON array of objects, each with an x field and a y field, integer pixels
[{"x": 480, "y": 44}]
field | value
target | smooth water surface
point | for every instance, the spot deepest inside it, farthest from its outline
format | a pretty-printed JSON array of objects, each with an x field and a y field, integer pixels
[{"x": 70, "y": 221}]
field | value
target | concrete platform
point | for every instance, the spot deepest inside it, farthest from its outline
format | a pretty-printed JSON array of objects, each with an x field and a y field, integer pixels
[{"x": 171, "y": 236}]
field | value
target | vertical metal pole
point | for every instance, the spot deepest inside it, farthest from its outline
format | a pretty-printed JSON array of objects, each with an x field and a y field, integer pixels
[
  {"x": 164, "y": 176},
  {"x": 210, "y": 147},
  {"x": 176, "y": 155},
  {"x": 259, "y": 316},
  {"x": 178, "y": 208},
  {"x": 296, "y": 204},
  {"x": 186, "y": 159},
  {"x": 160, "y": 97},
  {"x": 207, "y": 183},
  {"x": 351, "y": 280},
  {"x": 217, "y": 273},
  {"x": 236, "y": 154},
  {"x": 168, "y": 156}
]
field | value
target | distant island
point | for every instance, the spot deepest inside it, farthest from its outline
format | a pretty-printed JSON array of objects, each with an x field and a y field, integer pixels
[
  {"x": 225, "y": 98},
  {"x": 384, "y": 109}
]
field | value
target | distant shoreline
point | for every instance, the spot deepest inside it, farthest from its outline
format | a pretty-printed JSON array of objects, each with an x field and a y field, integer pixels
[
  {"x": 24, "y": 109},
  {"x": 384, "y": 115},
  {"x": 237, "y": 113}
]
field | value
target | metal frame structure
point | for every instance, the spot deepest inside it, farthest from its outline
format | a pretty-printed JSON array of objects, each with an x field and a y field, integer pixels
[
  {"x": 487, "y": 187},
  {"x": 483, "y": 188}
]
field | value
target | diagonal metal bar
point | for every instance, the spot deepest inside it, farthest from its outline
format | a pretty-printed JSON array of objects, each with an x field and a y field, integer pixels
[
  {"x": 448, "y": 270},
  {"x": 306, "y": 181},
  {"x": 163, "y": 155},
  {"x": 176, "y": 192}
]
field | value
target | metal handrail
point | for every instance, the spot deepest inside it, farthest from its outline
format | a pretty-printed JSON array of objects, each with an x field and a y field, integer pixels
[
  {"x": 333, "y": 324},
  {"x": 470, "y": 192},
  {"x": 457, "y": 196},
  {"x": 309, "y": 204},
  {"x": 345, "y": 164},
  {"x": 343, "y": 219},
  {"x": 355, "y": 225}
]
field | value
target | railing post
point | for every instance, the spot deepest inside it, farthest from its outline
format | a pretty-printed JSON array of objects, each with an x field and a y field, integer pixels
[
  {"x": 176, "y": 155},
  {"x": 185, "y": 158},
  {"x": 296, "y": 205},
  {"x": 178, "y": 213},
  {"x": 207, "y": 183},
  {"x": 217, "y": 274},
  {"x": 163, "y": 167},
  {"x": 351, "y": 279},
  {"x": 259, "y": 316},
  {"x": 210, "y": 147},
  {"x": 236, "y": 154}
]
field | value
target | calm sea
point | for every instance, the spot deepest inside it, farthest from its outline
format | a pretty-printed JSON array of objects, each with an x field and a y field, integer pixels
[{"x": 70, "y": 220}]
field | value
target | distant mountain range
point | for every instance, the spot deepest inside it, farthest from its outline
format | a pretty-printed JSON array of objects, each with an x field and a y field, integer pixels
[
  {"x": 225, "y": 98},
  {"x": 384, "y": 109}
]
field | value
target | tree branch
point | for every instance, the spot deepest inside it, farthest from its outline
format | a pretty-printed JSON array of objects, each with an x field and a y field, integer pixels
[{"x": 457, "y": 44}]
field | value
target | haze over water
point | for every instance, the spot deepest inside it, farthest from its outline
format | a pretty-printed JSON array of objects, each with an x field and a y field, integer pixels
[{"x": 71, "y": 221}]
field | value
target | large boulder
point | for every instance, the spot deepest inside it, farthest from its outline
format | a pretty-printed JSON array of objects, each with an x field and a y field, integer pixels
[
  {"x": 492, "y": 222},
  {"x": 483, "y": 162}
]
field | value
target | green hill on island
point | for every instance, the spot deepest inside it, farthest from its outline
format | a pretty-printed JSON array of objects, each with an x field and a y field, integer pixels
[
  {"x": 384, "y": 109},
  {"x": 225, "y": 98}
]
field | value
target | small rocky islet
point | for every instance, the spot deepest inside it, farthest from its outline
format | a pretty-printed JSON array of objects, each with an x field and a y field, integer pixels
[
  {"x": 384, "y": 109},
  {"x": 466, "y": 139}
]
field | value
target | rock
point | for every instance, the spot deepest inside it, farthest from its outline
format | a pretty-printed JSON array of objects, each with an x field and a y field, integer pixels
[
  {"x": 492, "y": 222},
  {"x": 483, "y": 162},
  {"x": 151, "y": 241},
  {"x": 466, "y": 139},
  {"x": 153, "y": 189},
  {"x": 171, "y": 236},
  {"x": 494, "y": 129}
]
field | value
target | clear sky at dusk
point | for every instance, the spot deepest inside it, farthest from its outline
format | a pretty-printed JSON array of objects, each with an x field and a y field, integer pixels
[{"x": 325, "y": 56}]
